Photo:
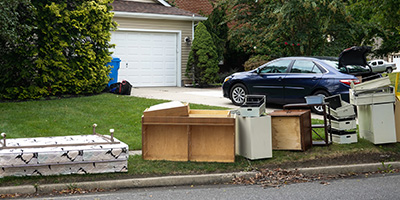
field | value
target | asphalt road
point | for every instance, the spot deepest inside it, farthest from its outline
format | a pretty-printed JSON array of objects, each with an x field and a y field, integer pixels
[{"x": 374, "y": 187}]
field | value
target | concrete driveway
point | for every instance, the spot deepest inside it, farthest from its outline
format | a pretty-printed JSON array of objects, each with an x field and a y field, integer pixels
[{"x": 206, "y": 96}]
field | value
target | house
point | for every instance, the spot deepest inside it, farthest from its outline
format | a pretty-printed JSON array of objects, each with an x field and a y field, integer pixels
[
  {"x": 395, "y": 58},
  {"x": 153, "y": 41}
]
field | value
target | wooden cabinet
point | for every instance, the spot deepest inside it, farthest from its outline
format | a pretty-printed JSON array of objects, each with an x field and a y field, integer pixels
[
  {"x": 291, "y": 130},
  {"x": 202, "y": 135}
]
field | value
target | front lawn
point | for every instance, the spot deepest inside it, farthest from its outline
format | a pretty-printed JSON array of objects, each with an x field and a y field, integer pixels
[{"x": 75, "y": 116}]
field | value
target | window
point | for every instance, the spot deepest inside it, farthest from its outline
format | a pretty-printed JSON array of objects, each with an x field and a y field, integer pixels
[
  {"x": 380, "y": 62},
  {"x": 373, "y": 63},
  {"x": 279, "y": 66},
  {"x": 305, "y": 66}
]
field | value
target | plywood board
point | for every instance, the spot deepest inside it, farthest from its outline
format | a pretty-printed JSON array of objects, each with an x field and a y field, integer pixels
[
  {"x": 212, "y": 143},
  {"x": 209, "y": 113},
  {"x": 397, "y": 119},
  {"x": 211, "y": 121},
  {"x": 286, "y": 133},
  {"x": 173, "y": 108},
  {"x": 165, "y": 142}
]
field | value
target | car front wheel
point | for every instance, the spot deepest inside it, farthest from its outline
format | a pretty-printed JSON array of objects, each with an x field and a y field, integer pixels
[
  {"x": 238, "y": 93},
  {"x": 389, "y": 70}
]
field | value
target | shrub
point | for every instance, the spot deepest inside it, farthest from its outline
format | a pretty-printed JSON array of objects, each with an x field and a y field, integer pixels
[
  {"x": 256, "y": 61},
  {"x": 203, "y": 58},
  {"x": 68, "y": 50}
]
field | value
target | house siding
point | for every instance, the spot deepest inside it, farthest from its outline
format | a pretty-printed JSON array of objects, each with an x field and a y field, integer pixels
[{"x": 149, "y": 24}]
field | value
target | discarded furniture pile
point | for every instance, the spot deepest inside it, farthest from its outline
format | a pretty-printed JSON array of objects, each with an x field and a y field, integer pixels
[
  {"x": 172, "y": 131},
  {"x": 77, "y": 154}
]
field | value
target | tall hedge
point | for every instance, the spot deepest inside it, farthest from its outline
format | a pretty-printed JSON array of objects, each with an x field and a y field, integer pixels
[
  {"x": 69, "y": 51},
  {"x": 203, "y": 59}
]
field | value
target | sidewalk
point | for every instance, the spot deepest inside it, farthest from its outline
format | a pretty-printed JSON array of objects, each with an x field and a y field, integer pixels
[{"x": 206, "y": 96}]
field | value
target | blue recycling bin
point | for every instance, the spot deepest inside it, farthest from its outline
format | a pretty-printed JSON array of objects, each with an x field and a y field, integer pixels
[{"x": 114, "y": 64}]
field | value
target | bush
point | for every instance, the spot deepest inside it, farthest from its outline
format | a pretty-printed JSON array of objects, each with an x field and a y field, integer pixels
[
  {"x": 67, "y": 51},
  {"x": 256, "y": 61},
  {"x": 203, "y": 58}
]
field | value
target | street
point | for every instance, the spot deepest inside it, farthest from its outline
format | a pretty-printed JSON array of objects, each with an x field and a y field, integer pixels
[{"x": 378, "y": 186}]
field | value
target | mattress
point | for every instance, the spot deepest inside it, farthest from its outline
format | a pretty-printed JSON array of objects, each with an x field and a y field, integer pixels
[{"x": 63, "y": 155}]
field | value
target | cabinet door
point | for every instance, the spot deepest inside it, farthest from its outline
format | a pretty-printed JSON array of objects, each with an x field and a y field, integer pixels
[{"x": 383, "y": 123}]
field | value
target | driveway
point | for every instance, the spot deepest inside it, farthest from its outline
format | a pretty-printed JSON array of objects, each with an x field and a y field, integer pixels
[{"x": 206, "y": 96}]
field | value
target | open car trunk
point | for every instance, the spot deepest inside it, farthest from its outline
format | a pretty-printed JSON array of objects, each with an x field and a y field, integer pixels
[{"x": 355, "y": 57}]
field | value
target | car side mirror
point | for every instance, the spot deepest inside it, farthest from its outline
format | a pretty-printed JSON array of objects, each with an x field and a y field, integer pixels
[{"x": 258, "y": 70}]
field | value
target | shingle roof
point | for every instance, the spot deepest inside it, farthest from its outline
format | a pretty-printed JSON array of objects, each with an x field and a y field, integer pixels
[{"x": 153, "y": 8}]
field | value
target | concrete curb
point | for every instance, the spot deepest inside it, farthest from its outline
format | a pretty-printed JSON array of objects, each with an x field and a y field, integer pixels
[
  {"x": 190, "y": 179},
  {"x": 150, "y": 182},
  {"x": 24, "y": 189},
  {"x": 357, "y": 168},
  {"x": 131, "y": 183}
]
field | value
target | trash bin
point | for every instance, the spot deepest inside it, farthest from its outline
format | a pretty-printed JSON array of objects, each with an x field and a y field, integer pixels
[{"x": 114, "y": 64}]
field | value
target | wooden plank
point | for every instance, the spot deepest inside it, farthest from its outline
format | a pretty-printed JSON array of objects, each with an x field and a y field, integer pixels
[
  {"x": 188, "y": 120},
  {"x": 209, "y": 113},
  {"x": 168, "y": 109},
  {"x": 212, "y": 144},
  {"x": 397, "y": 119},
  {"x": 306, "y": 131},
  {"x": 165, "y": 143}
]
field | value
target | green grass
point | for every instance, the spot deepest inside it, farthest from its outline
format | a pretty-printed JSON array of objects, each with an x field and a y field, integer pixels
[
  {"x": 75, "y": 116},
  {"x": 392, "y": 77}
]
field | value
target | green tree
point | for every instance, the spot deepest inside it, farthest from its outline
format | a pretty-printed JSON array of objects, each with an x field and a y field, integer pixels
[
  {"x": 217, "y": 27},
  {"x": 16, "y": 46},
  {"x": 203, "y": 61},
  {"x": 376, "y": 22},
  {"x": 290, "y": 28},
  {"x": 70, "y": 49}
]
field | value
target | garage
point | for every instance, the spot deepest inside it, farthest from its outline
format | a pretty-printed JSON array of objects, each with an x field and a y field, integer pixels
[
  {"x": 153, "y": 41},
  {"x": 147, "y": 58}
]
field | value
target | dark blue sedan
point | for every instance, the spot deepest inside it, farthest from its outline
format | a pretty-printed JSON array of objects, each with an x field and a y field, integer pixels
[{"x": 289, "y": 80}]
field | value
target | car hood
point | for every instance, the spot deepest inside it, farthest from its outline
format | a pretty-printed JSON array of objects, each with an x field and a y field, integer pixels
[
  {"x": 245, "y": 73},
  {"x": 354, "y": 56}
]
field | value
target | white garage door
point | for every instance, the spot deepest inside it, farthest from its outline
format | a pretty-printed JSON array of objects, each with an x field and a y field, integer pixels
[{"x": 147, "y": 59}]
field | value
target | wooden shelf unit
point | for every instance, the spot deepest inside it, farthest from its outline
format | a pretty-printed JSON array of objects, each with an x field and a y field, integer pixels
[
  {"x": 202, "y": 135},
  {"x": 326, "y": 125},
  {"x": 291, "y": 130}
]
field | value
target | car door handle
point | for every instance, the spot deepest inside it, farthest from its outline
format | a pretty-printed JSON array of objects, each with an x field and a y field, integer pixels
[{"x": 280, "y": 78}]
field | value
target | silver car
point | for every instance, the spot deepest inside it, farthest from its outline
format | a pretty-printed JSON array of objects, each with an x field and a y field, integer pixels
[{"x": 380, "y": 66}]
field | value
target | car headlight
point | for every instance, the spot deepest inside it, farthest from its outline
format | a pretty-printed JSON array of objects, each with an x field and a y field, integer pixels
[{"x": 227, "y": 79}]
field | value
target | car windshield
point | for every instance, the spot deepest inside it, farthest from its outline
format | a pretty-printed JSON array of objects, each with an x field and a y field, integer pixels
[{"x": 352, "y": 68}]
